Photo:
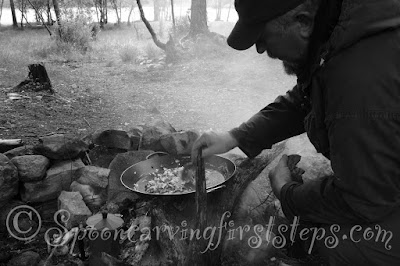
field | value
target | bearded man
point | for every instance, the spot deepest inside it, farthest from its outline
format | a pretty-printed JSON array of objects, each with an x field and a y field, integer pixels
[{"x": 346, "y": 55}]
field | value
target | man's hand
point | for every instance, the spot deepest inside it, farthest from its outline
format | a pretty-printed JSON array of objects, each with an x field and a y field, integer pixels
[
  {"x": 213, "y": 143},
  {"x": 280, "y": 176}
]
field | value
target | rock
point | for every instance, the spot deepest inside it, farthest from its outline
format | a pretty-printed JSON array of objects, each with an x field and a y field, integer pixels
[
  {"x": 60, "y": 147},
  {"x": 152, "y": 133},
  {"x": 20, "y": 151},
  {"x": 94, "y": 176},
  {"x": 4, "y": 211},
  {"x": 93, "y": 197},
  {"x": 116, "y": 139},
  {"x": 102, "y": 156},
  {"x": 73, "y": 203},
  {"x": 117, "y": 166},
  {"x": 179, "y": 143},
  {"x": 28, "y": 258},
  {"x": 258, "y": 202},
  {"x": 59, "y": 177},
  {"x": 31, "y": 167},
  {"x": 8, "y": 180},
  {"x": 85, "y": 190}
]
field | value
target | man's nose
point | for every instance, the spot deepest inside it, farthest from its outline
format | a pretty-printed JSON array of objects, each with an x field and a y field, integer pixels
[{"x": 260, "y": 47}]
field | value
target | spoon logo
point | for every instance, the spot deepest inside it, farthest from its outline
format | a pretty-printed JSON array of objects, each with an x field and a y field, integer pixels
[{"x": 23, "y": 223}]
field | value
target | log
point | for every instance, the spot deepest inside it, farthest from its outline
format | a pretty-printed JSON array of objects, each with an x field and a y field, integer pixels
[{"x": 9, "y": 144}]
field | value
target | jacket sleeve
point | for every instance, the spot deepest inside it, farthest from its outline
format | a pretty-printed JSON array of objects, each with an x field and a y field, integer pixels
[
  {"x": 282, "y": 119},
  {"x": 364, "y": 156}
]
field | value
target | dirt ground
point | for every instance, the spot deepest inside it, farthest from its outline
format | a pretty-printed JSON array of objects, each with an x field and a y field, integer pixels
[{"x": 216, "y": 89}]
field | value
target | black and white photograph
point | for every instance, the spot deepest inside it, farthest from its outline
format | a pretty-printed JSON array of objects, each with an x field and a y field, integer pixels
[{"x": 199, "y": 132}]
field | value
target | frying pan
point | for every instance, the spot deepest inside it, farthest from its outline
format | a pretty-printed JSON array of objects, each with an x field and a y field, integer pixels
[{"x": 140, "y": 173}]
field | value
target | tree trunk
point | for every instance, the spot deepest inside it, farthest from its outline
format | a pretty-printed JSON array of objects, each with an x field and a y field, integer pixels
[
  {"x": 229, "y": 11},
  {"x": 1, "y": 9},
  {"x": 57, "y": 11},
  {"x": 39, "y": 15},
  {"x": 14, "y": 17},
  {"x": 219, "y": 9},
  {"x": 130, "y": 13},
  {"x": 49, "y": 17},
  {"x": 198, "y": 21},
  {"x": 156, "y": 10},
  {"x": 115, "y": 6},
  {"x": 105, "y": 11},
  {"x": 157, "y": 42},
  {"x": 173, "y": 14},
  {"x": 96, "y": 7},
  {"x": 38, "y": 80},
  {"x": 22, "y": 9}
]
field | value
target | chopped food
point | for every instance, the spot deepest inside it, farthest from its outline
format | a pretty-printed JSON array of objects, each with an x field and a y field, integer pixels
[
  {"x": 170, "y": 181},
  {"x": 167, "y": 182}
]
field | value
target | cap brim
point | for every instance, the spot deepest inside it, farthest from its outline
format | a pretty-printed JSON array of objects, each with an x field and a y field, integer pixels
[{"x": 244, "y": 36}]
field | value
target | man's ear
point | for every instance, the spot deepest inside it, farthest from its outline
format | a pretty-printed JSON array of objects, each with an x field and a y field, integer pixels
[{"x": 306, "y": 23}]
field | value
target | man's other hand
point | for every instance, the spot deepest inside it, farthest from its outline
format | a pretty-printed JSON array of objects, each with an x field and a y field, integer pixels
[
  {"x": 280, "y": 175},
  {"x": 213, "y": 143}
]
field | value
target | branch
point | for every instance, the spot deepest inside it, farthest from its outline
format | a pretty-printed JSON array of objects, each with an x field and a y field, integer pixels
[
  {"x": 159, "y": 44},
  {"x": 40, "y": 16}
]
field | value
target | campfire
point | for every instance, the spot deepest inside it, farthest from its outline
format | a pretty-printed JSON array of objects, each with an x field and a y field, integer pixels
[{"x": 102, "y": 218}]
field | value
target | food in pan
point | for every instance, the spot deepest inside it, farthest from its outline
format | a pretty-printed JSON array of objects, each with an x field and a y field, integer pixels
[{"x": 170, "y": 181}]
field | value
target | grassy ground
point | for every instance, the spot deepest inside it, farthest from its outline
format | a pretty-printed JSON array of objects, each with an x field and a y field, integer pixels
[{"x": 214, "y": 87}]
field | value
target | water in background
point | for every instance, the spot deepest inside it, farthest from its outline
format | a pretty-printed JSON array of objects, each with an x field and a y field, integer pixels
[{"x": 6, "y": 17}]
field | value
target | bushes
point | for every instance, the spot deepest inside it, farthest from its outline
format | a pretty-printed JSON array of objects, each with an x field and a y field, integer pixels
[
  {"x": 75, "y": 34},
  {"x": 128, "y": 53}
]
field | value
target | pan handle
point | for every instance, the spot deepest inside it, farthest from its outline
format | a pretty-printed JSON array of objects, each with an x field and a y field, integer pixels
[{"x": 157, "y": 153}]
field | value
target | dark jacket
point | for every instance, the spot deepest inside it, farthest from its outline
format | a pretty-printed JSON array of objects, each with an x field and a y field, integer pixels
[{"x": 353, "y": 119}]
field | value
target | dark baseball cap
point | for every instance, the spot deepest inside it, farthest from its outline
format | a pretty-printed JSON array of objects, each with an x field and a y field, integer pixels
[{"x": 253, "y": 14}]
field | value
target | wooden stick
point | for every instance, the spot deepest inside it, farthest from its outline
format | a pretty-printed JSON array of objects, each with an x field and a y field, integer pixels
[
  {"x": 11, "y": 142},
  {"x": 201, "y": 193},
  {"x": 195, "y": 257}
]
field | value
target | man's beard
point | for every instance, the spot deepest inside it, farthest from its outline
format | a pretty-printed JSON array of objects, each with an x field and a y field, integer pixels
[{"x": 293, "y": 68}]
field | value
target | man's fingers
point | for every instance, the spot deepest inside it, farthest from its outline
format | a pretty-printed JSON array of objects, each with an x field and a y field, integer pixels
[
  {"x": 283, "y": 162},
  {"x": 201, "y": 142}
]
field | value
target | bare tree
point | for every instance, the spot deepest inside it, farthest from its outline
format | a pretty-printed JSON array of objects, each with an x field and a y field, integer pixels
[
  {"x": 157, "y": 10},
  {"x": 130, "y": 13},
  {"x": 39, "y": 15},
  {"x": 101, "y": 6},
  {"x": 48, "y": 12},
  {"x": 115, "y": 6},
  {"x": 14, "y": 17},
  {"x": 229, "y": 11},
  {"x": 219, "y": 9},
  {"x": 22, "y": 6},
  {"x": 173, "y": 13},
  {"x": 57, "y": 11},
  {"x": 198, "y": 20},
  {"x": 1, "y": 9}
]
